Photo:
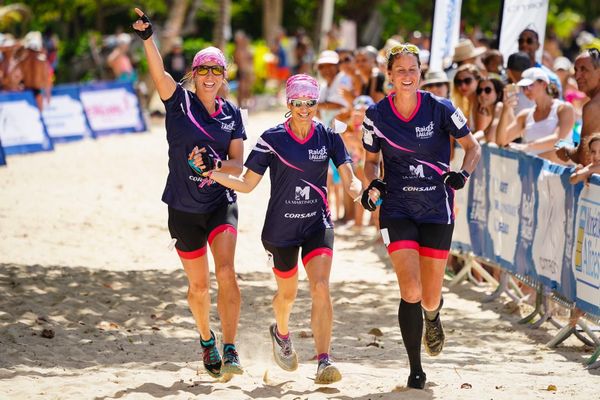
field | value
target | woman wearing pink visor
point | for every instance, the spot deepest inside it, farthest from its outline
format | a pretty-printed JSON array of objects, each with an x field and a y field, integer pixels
[
  {"x": 298, "y": 219},
  {"x": 200, "y": 210}
]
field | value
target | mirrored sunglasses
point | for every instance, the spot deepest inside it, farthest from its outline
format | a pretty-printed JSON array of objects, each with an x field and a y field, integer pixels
[
  {"x": 300, "y": 103},
  {"x": 403, "y": 48}
]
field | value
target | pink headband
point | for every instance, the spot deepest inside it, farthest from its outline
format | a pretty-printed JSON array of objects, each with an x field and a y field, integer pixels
[
  {"x": 209, "y": 54},
  {"x": 301, "y": 85}
]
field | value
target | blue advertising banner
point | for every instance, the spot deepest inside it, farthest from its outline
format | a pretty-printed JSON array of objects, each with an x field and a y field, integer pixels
[
  {"x": 21, "y": 127},
  {"x": 2, "y": 157},
  {"x": 525, "y": 216},
  {"x": 64, "y": 116},
  {"x": 112, "y": 107}
]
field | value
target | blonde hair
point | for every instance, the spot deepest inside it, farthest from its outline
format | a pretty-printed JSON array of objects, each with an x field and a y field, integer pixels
[{"x": 458, "y": 99}]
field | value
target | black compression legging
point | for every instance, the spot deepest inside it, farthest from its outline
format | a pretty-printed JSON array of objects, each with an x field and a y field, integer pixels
[{"x": 410, "y": 318}]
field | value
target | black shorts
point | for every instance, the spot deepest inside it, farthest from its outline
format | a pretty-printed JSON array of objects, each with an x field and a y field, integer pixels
[
  {"x": 284, "y": 260},
  {"x": 430, "y": 240},
  {"x": 192, "y": 231}
]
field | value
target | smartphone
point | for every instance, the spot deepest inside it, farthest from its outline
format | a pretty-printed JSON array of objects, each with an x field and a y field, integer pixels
[
  {"x": 562, "y": 143},
  {"x": 512, "y": 89}
]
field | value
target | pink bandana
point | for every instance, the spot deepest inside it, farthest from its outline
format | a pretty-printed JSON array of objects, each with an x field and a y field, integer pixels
[
  {"x": 209, "y": 54},
  {"x": 301, "y": 85}
]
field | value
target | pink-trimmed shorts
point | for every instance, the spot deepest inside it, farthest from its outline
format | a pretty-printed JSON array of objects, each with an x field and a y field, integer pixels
[
  {"x": 193, "y": 231},
  {"x": 430, "y": 240},
  {"x": 284, "y": 260}
]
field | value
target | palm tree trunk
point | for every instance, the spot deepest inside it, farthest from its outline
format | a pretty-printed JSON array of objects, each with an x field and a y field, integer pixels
[
  {"x": 173, "y": 25},
  {"x": 272, "y": 18},
  {"x": 222, "y": 29}
]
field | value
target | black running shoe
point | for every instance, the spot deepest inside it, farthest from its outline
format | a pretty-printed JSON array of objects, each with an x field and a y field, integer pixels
[
  {"x": 416, "y": 380},
  {"x": 434, "y": 337},
  {"x": 212, "y": 358},
  {"x": 231, "y": 362}
]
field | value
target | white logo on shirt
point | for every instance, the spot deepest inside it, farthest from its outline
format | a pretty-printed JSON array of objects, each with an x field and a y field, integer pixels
[
  {"x": 302, "y": 193},
  {"x": 458, "y": 118},
  {"x": 317, "y": 155},
  {"x": 417, "y": 171},
  {"x": 424, "y": 132},
  {"x": 228, "y": 127}
]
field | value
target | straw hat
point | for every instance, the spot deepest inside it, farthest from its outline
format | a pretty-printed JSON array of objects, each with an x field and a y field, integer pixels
[
  {"x": 465, "y": 50},
  {"x": 432, "y": 77}
]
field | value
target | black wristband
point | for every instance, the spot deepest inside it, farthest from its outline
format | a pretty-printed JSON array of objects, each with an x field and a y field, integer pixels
[{"x": 465, "y": 174}]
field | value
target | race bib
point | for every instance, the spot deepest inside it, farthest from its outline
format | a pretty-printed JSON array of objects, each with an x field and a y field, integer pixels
[{"x": 459, "y": 119}]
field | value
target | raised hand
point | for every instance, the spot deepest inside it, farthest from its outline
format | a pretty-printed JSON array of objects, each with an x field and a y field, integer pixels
[{"x": 143, "y": 26}]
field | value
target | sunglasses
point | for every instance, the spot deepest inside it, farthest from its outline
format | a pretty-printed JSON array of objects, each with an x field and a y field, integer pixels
[
  {"x": 403, "y": 48},
  {"x": 346, "y": 60},
  {"x": 486, "y": 90},
  {"x": 526, "y": 40},
  {"x": 466, "y": 81},
  {"x": 299, "y": 103},
  {"x": 216, "y": 70}
]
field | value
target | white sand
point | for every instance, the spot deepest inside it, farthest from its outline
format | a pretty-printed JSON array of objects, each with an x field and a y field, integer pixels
[{"x": 83, "y": 251}]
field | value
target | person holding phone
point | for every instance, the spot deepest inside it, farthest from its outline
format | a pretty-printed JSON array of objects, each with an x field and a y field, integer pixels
[
  {"x": 200, "y": 210},
  {"x": 539, "y": 127}
]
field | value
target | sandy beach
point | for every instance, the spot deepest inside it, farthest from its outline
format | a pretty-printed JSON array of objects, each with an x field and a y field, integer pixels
[{"x": 84, "y": 257}]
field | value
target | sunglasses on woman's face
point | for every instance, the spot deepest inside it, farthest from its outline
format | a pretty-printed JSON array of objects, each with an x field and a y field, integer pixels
[
  {"x": 216, "y": 70},
  {"x": 299, "y": 103},
  {"x": 486, "y": 90},
  {"x": 460, "y": 82},
  {"x": 526, "y": 40}
]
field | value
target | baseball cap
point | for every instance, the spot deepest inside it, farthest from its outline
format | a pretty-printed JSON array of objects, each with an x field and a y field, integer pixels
[
  {"x": 531, "y": 75},
  {"x": 562, "y": 63},
  {"x": 328, "y": 57},
  {"x": 518, "y": 61}
]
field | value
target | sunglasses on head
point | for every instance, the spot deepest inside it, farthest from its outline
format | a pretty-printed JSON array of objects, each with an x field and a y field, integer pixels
[
  {"x": 299, "y": 103},
  {"x": 526, "y": 40},
  {"x": 466, "y": 81},
  {"x": 403, "y": 48},
  {"x": 215, "y": 69},
  {"x": 486, "y": 90}
]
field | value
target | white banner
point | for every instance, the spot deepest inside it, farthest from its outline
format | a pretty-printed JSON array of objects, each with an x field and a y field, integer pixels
[
  {"x": 549, "y": 237},
  {"x": 518, "y": 15},
  {"x": 505, "y": 196},
  {"x": 461, "y": 199},
  {"x": 21, "y": 127},
  {"x": 586, "y": 251},
  {"x": 112, "y": 109},
  {"x": 445, "y": 32},
  {"x": 64, "y": 117}
]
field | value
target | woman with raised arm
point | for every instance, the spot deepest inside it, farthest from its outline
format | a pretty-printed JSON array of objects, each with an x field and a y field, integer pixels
[
  {"x": 201, "y": 210},
  {"x": 411, "y": 130},
  {"x": 540, "y": 127},
  {"x": 298, "y": 218}
]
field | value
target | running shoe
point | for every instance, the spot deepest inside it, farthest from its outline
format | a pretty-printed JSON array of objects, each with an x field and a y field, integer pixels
[
  {"x": 434, "y": 336},
  {"x": 283, "y": 351},
  {"x": 231, "y": 361},
  {"x": 327, "y": 372},
  {"x": 416, "y": 380},
  {"x": 212, "y": 358}
]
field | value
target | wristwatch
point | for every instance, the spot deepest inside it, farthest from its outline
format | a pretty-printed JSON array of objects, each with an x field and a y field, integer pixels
[
  {"x": 465, "y": 174},
  {"x": 218, "y": 165}
]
